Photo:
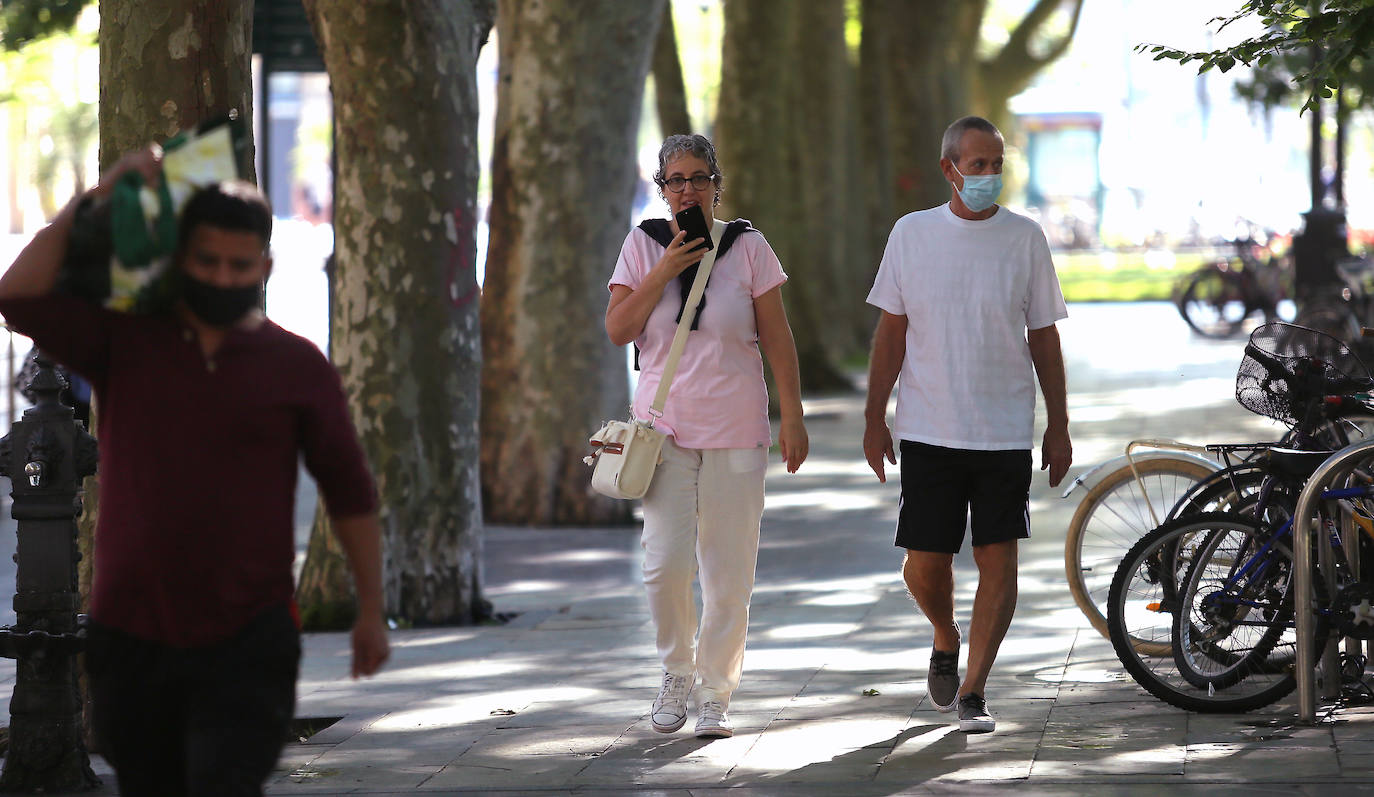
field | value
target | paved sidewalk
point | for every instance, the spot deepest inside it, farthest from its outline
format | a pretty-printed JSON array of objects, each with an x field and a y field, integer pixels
[{"x": 833, "y": 700}]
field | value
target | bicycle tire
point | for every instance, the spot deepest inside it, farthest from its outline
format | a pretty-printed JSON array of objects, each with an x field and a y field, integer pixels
[
  {"x": 1214, "y": 303},
  {"x": 1140, "y": 611},
  {"x": 1235, "y": 604},
  {"x": 1231, "y": 490},
  {"x": 1139, "y": 607},
  {"x": 1110, "y": 518}
]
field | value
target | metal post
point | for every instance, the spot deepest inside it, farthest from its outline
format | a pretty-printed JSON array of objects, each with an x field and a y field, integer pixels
[
  {"x": 1331, "y": 658},
  {"x": 45, "y": 456},
  {"x": 1304, "y": 667}
]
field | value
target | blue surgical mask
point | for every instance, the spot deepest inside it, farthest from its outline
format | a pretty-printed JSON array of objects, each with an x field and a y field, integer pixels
[{"x": 980, "y": 191}]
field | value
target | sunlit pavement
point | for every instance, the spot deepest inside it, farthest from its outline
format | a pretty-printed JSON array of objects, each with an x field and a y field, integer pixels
[{"x": 833, "y": 700}]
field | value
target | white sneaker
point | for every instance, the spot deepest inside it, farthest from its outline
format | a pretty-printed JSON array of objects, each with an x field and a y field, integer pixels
[
  {"x": 670, "y": 708},
  {"x": 713, "y": 723}
]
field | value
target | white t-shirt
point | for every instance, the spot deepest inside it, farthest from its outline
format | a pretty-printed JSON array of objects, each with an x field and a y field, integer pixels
[
  {"x": 718, "y": 398},
  {"x": 969, "y": 290}
]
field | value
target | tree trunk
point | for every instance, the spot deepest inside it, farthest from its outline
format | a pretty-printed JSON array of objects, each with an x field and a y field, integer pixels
[
  {"x": 324, "y": 591},
  {"x": 780, "y": 132},
  {"x": 164, "y": 67},
  {"x": 928, "y": 69},
  {"x": 670, "y": 94},
  {"x": 923, "y": 73},
  {"x": 1012, "y": 68},
  {"x": 563, "y": 175},
  {"x": 405, "y": 332},
  {"x": 870, "y": 159},
  {"x": 167, "y": 66}
]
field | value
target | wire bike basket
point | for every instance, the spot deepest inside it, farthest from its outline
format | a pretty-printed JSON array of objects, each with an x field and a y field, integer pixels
[{"x": 1288, "y": 371}]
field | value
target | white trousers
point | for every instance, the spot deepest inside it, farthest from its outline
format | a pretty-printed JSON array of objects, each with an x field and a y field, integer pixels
[{"x": 702, "y": 511}]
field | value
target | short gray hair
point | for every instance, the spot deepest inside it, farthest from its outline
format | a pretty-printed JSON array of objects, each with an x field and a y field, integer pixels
[
  {"x": 954, "y": 135},
  {"x": 696, "y": 145}
]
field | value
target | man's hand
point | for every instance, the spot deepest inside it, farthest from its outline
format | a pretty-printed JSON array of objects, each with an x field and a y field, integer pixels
[
  {"x": 794, "y": 443},
  {"x": 370, "y": 646},
  {"x": 146, "y": 161},
  {"x": 1056, "y": 453},
  {"x": 877, "y": 446}
]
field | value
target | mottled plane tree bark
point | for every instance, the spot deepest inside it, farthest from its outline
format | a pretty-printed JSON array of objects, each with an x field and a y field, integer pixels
[
  {"x": 563, "y": 174},
  {"x": 923, "y": 72},
  {"x": 781, "y": 127},
  {"x": 164, "y": 67},
  {"x": 405, "y": 333},
  {"x": 670, "y": 93}
]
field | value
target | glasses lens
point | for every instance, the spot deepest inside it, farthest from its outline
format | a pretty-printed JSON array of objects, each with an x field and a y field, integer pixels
[{"x": 699, "y": 181}]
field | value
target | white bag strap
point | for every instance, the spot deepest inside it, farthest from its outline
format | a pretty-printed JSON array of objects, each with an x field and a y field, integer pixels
[{"x": 689, "y": 311}]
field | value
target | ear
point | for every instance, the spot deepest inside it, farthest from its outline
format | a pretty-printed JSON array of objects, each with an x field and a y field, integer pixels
[
  {"x": 267, "y": 273},
  {"x": 947, "y": 169}
]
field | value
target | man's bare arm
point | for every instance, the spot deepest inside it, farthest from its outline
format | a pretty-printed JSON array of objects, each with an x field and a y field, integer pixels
[
  {"x": 884, "y": 365},
  {"x": 1056, "y": 450},
  {"x": 34, "y": 272},
  {"x": 361, "y": 537}
]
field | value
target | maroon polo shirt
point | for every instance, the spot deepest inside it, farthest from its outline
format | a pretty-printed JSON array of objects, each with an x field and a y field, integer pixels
[{"x": 198, "y": 463}]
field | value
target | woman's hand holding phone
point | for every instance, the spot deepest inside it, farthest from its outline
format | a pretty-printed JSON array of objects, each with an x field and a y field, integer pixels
[{"x": 679, "y": 255}]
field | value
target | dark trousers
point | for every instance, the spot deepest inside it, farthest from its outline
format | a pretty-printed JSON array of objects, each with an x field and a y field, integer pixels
[{"x": 199, "y": 721}]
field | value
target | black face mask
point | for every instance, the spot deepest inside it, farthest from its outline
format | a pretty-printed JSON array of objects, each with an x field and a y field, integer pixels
[{"x": 217, "y": 306}]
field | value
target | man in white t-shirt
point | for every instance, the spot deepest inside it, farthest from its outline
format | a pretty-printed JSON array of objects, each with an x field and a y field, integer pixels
[{"x": 969, "y": 300}]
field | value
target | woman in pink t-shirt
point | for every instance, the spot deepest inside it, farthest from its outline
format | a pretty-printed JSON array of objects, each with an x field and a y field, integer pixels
[{"x": 703, "y": 509}]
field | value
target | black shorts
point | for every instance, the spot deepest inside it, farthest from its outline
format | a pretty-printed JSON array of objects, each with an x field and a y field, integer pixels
[{"x": 941, "y": 485}]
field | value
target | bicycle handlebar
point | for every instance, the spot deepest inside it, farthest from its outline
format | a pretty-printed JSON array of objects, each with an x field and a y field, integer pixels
[{"x": 1339, "y": 385}]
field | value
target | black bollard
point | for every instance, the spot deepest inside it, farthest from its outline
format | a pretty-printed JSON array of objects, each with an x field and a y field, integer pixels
[{"x": 45, "y": 456}]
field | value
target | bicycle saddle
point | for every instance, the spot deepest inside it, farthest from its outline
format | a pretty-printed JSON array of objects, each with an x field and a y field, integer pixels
[{"x": 1297, "y": 465}]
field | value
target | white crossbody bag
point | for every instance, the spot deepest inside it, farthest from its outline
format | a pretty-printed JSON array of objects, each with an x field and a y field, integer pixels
[{"x": 625, "y": 454}]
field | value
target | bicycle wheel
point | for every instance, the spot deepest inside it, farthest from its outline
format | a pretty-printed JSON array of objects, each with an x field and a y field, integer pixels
[
  {"x": 1233, "y": 490},
  {"x": 1140, "y": 609},
  {"x": 1111, "y": 517},
  {"x": 1213, "y": 303},
  {"x": 1235, "y": 608},
  {"x": 1148, "y": 597},
  {"x": 1234, "y": 634}
]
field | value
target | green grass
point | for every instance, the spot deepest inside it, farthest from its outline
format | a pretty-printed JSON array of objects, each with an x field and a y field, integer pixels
[{"x": 1128, "y": 277}]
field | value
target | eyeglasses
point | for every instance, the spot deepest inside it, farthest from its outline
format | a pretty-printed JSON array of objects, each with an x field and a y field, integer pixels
[{"x": 700, "y": 182}]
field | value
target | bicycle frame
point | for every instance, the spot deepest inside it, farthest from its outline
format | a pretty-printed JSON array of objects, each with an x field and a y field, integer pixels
[{"x": 1258, "y": 563}]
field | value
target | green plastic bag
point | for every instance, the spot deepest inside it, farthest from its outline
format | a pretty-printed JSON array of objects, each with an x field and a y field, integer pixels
[{"x": 120, "y": 250}]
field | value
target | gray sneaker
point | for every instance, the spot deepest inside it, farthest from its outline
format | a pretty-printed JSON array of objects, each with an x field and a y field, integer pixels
[
  {"x": 670, "y": 708},
  {"x": 974, "y": 716},
  {"x": 942, "y": 680}
]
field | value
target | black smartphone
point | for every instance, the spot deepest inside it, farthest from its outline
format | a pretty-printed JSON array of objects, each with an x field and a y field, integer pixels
[{"x": 692, "y": 221}]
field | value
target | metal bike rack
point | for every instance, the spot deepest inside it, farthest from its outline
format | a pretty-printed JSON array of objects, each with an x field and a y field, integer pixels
[{"x": 1305, "y": 669}]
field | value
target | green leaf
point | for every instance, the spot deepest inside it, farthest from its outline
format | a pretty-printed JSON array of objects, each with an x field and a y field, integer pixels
[{"x": 871, "y": 693}]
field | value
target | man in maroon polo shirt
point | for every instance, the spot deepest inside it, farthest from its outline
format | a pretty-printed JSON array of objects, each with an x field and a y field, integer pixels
[{"x": 204, "y": 414}]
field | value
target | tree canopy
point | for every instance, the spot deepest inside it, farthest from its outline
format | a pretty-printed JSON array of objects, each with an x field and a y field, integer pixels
[
  {"x": 22, "y": 21},
  {"x": 1332, "y": 34}
]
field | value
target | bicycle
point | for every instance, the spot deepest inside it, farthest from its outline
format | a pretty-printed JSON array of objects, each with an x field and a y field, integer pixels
[
  {"x": 1133, "y": 494},
  {"x": 1221, "y": 582},
  {"x": 1217, "y": 299}
]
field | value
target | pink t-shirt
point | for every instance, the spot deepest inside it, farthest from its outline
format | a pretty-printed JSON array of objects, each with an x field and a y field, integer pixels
[{"x": 718, "y": 398}]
